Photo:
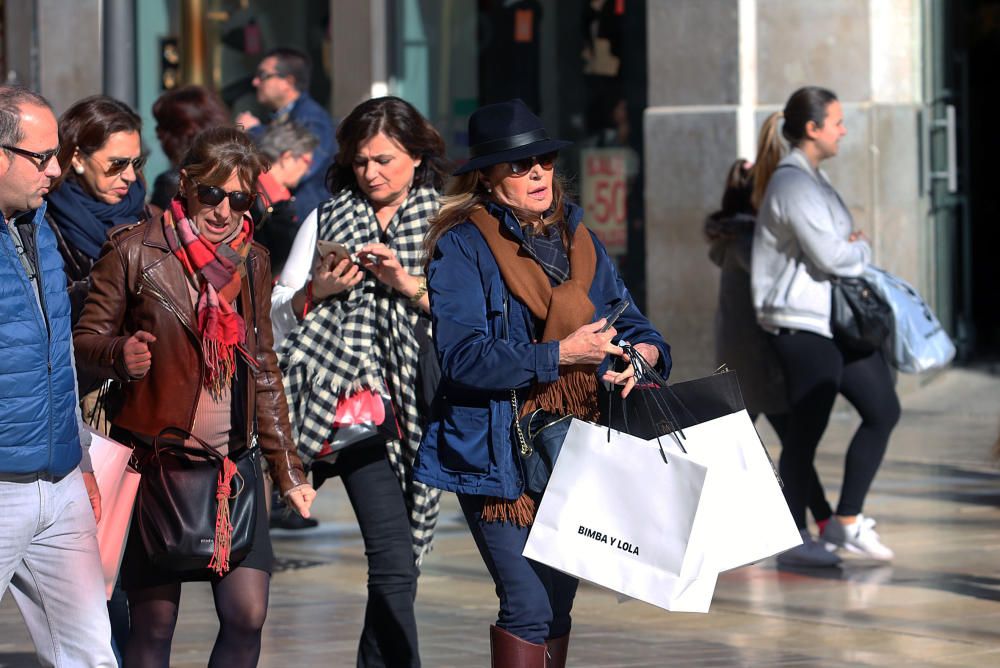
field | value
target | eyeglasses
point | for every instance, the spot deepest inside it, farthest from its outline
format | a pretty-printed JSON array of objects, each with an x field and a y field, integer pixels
[
  {"x": 239, "y": 200},
  {"x": 524, "y": 165},
  {"x": 262, "y": 76},
  {"x": 116, "y": 166},
  {"x": 42, "y": 158}
]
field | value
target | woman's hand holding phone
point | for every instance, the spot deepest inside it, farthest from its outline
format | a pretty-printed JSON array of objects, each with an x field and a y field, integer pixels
[{"x": 331, "y": 276}]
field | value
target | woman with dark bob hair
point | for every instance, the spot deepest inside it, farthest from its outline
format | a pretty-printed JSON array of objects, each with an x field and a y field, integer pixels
[
  {"x": 519, "y": 292},
  {"x": 187, "y": 296},
  {"x": 350, "y": 322},
  {"x": 180, "y": 115},
  {"x": 804, "y": 239},
  {"x": 101, "y": 186}
]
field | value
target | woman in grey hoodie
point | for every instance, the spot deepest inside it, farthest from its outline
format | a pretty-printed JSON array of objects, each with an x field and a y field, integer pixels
[{"x": 805, "y": 236}]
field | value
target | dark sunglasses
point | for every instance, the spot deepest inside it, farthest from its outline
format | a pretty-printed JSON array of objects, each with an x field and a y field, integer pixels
[
  {"x": 118, "y": 165},
  {"x": 239, "y": 200},
  {"x": 524, "y": 165},
  {"x": 41, "y": 158}
]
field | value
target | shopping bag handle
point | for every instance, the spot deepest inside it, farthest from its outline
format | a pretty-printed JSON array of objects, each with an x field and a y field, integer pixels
[{"x": 645, "y": 372}]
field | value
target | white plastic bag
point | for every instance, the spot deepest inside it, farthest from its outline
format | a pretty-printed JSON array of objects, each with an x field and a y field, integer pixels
[{"x": 919, "y": 341}]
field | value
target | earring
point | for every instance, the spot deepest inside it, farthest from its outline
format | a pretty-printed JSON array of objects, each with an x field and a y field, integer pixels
[{"x": 78, "y": 169}]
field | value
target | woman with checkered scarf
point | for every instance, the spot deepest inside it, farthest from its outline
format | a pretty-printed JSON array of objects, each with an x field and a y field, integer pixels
[{"x": 350, "y": 324}]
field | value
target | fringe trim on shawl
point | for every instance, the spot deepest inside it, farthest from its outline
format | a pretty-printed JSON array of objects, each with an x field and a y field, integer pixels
[{"x": 519, "y": 512}]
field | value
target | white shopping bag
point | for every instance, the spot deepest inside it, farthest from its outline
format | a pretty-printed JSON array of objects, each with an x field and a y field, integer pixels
[
  {"x": 617, "y": 514},
  {"x": 744, "y": 516},
  {"x": 118, "y": 483}
]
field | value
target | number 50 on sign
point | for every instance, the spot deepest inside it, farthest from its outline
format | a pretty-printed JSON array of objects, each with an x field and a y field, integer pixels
[{"x": 603, "y": 195}]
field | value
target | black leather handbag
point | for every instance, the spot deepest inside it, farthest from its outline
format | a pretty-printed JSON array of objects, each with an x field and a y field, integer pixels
[
  {"x": 860, "y": 318},
  {"x": 539, "y": 437},
  {"x": 195, "y": 507}
]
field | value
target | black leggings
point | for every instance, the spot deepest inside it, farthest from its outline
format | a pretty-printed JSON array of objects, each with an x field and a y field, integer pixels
[
  {"x": 816, "y": 496},
  {"x": 816, "y": 370},
  {"x": 240, "y": 603}
]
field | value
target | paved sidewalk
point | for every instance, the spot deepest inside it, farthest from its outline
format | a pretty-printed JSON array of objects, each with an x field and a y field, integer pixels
[{"x": 937, "y": 500}]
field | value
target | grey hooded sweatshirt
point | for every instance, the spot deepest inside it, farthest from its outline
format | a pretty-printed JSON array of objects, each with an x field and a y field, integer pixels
[{"x": 800, "y": 242}]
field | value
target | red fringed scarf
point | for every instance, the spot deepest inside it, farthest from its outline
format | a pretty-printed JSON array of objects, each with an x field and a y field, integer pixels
[{"x": 217, "y": 271}]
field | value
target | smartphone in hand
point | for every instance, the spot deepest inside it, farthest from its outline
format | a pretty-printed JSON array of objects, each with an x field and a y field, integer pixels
[
  {"x": 327, "y": 248},
  {"x": 615, "y": 314}
]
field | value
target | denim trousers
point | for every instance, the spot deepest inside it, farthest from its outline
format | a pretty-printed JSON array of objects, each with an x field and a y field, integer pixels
[
  {"x": 50, "y": 563},
  {"x": 535, "y": 600},
  {"x": 389, "y": 636}
]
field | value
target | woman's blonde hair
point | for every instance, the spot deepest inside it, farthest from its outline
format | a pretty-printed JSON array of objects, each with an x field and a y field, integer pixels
[{"x": 467, "y": 192}]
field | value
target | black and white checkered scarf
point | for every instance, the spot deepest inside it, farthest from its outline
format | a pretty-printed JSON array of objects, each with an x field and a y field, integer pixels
[{"x": 365, "y": 339}]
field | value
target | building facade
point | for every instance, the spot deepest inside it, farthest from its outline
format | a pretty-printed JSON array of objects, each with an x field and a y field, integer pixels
[{"x": 659, "y": 96}]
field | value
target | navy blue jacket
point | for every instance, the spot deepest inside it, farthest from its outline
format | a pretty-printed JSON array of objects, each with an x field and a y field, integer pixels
[
  {"x": 38, "y": 425},
  {"x": 483, "y": 336},
  {"x": 311, "y": 115}
]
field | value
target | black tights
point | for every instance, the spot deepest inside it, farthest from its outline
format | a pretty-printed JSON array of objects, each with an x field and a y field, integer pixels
[
  {"x": 817, "y": 503},
  {"x": 240, "y": 603},
  {"x": 816, "y": 370}
]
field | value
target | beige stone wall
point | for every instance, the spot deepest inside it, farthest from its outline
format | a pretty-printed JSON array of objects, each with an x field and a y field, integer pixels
[{"x": 717, "y": 69}]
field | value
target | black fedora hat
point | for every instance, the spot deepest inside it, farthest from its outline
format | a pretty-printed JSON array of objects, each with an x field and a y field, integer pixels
[{"x": 504, "y": 132}]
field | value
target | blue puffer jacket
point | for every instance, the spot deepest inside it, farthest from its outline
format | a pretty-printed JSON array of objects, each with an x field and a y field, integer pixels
[
  {"x": 484, "y": 340},
  {"x": 38, "y": 428}
]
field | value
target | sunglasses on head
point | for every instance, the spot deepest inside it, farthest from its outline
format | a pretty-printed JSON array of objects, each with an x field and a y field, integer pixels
[
  {"x": 239, "y": 200},
  {"x": 524, "y": 165},
  {"x": 116, "y": 166}
]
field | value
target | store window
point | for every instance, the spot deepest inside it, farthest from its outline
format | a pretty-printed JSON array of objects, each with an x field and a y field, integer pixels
[{"x": 580, "y": 64}]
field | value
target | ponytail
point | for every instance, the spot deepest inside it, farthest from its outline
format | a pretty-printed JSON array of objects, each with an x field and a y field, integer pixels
[{"x": 769, "y": 153}]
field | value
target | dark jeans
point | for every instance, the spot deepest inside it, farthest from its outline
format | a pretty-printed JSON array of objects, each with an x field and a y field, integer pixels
[
  {"x": 535, "y": 600},
  {"x": 816, "y": 370},
  {"x": 389, "y": 637}
]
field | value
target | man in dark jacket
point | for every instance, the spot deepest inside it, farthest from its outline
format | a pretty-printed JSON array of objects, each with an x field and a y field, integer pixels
[
  {"x": 48, "y": 493},
  {"x": 281, "y": 82}
]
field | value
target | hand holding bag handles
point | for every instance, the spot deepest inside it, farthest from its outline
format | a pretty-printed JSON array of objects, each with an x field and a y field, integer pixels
[{"x": 197, "y": 508}]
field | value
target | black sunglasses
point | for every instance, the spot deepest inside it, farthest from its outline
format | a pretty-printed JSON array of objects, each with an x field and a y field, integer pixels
[
  {"x": 524, "y": 165},
  {"x": 239, "y": 200},
  {"x": 261, "y": 75},
  {"x": 42, "y": 158}
]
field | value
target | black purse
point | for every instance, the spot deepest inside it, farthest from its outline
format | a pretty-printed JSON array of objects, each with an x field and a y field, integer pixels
[
  {"x": 197, "y": 508},
  {"x": 860, "y": 318},
  {"x": 540, "y": 437}
]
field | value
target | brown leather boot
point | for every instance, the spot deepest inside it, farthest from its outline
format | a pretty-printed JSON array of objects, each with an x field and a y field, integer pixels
[
  {"x": 509, "y": 651},
  {"x": 558, "y": 649}
]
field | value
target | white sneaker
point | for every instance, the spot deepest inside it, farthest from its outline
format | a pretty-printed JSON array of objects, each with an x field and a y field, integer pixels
[{"x": 859, "y": 538}]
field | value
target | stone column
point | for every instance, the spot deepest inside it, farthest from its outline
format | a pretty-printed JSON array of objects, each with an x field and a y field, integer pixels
[{"x": 717, "y": 68}]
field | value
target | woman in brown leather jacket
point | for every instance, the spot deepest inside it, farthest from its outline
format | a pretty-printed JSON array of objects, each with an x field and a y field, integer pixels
[{"x": 179, "y": 315}]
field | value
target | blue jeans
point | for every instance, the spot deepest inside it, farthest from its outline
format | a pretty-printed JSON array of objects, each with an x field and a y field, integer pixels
[
  {"x": 49, "y": 560},
  {"x": 535, "y": 600}
]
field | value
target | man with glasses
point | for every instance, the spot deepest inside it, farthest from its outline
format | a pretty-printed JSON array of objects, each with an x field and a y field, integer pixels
[
  {"x": 282, "y": 82},
  {"x": 48, "y": 532}
]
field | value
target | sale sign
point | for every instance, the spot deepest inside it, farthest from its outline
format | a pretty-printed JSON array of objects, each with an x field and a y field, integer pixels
[{"x": 604, "y": 191}]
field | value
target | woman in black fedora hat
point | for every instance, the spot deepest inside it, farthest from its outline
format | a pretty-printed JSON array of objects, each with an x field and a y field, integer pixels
[{"x": 519, "y": 291}]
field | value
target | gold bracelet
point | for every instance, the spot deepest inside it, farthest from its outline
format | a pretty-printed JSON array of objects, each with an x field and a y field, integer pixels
[{"x": 421, "y": 291}]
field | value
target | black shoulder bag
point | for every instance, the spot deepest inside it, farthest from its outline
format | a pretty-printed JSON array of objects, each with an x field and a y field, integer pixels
[{"x": 860, "y": 318}]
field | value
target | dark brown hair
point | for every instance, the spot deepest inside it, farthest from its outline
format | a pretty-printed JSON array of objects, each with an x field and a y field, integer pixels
[
  {"x": 806, "y": 104},
  {"x": 291, "y": 63},
  {"x": 398, "y": 120},
  {"x": 216, "y": 152},
  {"x": 88, "y": 124},
  {"x": 184, "y": 112}
]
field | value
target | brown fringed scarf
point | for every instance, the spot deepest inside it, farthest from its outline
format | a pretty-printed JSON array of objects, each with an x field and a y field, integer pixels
[{"x": 564, "y": 309}]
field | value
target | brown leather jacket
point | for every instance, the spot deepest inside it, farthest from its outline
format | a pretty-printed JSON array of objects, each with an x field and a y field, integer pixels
[{"x": 139, "y": 284}]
